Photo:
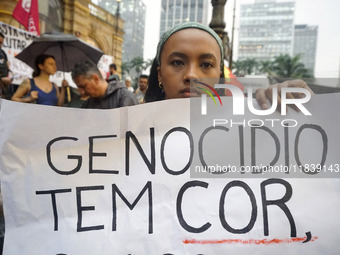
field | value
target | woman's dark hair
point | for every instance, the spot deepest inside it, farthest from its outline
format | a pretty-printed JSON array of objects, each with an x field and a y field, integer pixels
[
  {"x": 154, "y": 92},
  {"x": 40, "y": 60}
]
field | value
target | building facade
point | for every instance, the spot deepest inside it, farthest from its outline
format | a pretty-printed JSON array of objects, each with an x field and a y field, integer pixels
[
  {"x": 305, "y": 43},
  {"x": 174, "y": 12},
  {"x": 133, "y": 13},
  {"x": 82, "y": 18},
  {"x": 266, "y": 29}
]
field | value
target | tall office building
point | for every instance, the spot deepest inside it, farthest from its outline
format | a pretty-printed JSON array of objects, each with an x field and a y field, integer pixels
[
  {"x": 305, "y": 42},
  {"x": 174, "y": 12},
  {"x": 133, "y": 13},
  {"x": 266, "y": 29}
]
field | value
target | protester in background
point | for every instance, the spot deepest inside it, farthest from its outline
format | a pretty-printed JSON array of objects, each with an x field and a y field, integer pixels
[
  {"x": 113, "y": 75},
  {"x": 103, "y": 95},
  {"x": 191, "y": 51},
  {"x": 128, "y": 84},
  {"x": 4, "y": 68},
  {"x": 142, "y": 87},
  {"x": 39, "y": 89}
]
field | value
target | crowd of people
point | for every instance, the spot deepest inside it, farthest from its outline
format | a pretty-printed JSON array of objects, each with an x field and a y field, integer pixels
[
  {"x": 187, "y": 51},
  {"x": 93, "y": 89}
]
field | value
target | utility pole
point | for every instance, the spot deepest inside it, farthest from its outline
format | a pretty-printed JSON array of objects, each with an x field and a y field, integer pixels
[{"x": 217, "y": 24}]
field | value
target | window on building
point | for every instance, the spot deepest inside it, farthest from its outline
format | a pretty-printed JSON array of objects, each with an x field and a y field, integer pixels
[{"x": 51, "y": 16}]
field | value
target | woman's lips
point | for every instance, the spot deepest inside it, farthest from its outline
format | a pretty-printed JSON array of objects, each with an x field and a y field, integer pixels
[{"x": 189, "y": 92}]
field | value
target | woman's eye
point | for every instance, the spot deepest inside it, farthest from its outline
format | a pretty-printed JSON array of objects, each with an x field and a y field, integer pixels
[
  {"x": 207, "y": 65},
  {"x": 177, "y": 62}
]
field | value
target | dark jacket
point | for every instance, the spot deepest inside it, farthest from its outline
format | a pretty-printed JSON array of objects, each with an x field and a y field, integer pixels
[{"x": 117, "y": 95}]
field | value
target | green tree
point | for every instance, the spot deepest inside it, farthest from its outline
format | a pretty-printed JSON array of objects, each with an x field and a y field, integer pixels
[
  {"x": 244, "y": 67},
  {"x": 148, "y": 63},
  {"x": 126, "y": 68},
  {"x": 251, "y": 65},
  {"x": 137, "y": 64},
  {"x": 285, "y": 66},
  {"x": 266, "y": 66},
  {"x": 239, "y": 68}
]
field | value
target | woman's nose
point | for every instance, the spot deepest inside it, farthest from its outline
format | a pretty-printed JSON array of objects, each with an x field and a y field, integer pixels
[{"x": 191, "y": 73}]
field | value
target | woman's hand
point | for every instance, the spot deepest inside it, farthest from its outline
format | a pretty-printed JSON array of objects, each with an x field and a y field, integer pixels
[
  {"x": 262, "y": 95},
  {"x": 64, "y": 83},
  {"x": 34, "y": 95}
]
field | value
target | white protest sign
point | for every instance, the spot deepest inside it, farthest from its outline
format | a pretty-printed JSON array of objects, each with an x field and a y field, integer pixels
[
  {"x": 110, "y": 182},
  {"x": 15, "y": 41},
  {"x": 104, "y": 64}
]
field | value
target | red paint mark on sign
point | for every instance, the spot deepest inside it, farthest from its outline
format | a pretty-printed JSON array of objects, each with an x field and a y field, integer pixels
[{"x": 250, "y": 241}]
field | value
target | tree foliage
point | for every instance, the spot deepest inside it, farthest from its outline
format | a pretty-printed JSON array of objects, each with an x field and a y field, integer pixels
[
  {"x": 245, "y": 67},
  {"x": 137, "y": 64},
  {"x": 283, "y": 66}
]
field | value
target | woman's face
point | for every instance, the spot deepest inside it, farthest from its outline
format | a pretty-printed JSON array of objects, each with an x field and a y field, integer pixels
[
  {"x": 49, "y": 66},
  {"x": 188, "y": 54}
]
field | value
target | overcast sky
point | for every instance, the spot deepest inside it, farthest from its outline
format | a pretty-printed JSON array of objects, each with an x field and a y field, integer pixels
[{"x": 323, "y": 13}]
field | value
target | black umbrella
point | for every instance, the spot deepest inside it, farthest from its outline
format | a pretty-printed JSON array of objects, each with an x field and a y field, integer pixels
[{"x": 67, "y": 50}]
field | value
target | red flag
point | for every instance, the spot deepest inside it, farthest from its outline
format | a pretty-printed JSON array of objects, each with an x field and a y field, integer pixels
[{"x": 27, "y": 13}]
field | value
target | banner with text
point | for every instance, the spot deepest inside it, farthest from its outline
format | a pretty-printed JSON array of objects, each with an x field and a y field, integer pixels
[
  {"x": 15, "y": 41},
  {"x": 78, "y": 181}
]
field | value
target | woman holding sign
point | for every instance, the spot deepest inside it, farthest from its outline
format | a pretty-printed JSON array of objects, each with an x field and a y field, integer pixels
[
  {"x": 192, "y": 51},
  {"x": 39, "y": 89}
]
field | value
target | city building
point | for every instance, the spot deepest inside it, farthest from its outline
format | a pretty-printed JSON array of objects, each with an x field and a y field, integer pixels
[
  {"x": 266, "y": 29},
  {"x": 305, "y": 42},
  {"x": 133, "y": 13},
  {"x": 174, "y": 12}
]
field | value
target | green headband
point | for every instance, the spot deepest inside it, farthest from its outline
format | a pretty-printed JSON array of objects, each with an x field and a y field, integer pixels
[{"x": 186, "y": 25}]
